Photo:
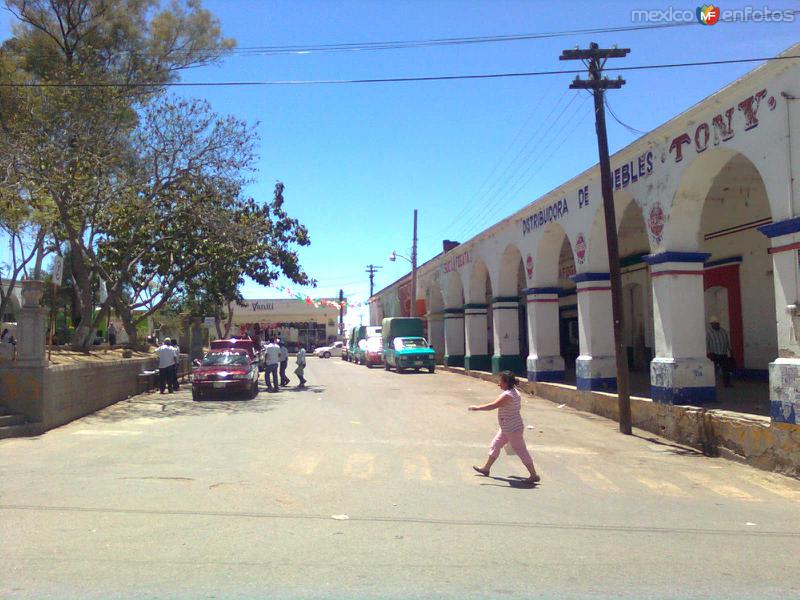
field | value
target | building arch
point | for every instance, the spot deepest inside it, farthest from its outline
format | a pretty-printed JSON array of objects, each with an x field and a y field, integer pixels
[
  {"x": 546, "y": 270},
  {"x": 681, "y": 229}
]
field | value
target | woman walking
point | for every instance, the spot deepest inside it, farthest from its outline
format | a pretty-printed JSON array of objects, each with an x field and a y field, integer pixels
[{"x": 511, "y": 427}]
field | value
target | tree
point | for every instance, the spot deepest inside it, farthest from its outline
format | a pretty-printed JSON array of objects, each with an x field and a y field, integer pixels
[
  {"x": 71, "y": 147},
  {"x": 261, "y": 246}
]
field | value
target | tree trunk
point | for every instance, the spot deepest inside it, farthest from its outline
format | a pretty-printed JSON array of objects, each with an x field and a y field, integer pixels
[{"x": 124, "y": 312}]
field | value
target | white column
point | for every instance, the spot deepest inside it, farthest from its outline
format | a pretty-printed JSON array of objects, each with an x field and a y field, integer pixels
[
  {"x": 784, "y": 371},
  {"x": 544, "y": 360},
  {"x": 680, "y": 373},
  {"x": 476, "y": 338},
  {"x": 505, "y": 317},
  {"x": 454, "y": 337},
  {"x": 436, "y": 334},
  {"x": 596, "y": 367}
]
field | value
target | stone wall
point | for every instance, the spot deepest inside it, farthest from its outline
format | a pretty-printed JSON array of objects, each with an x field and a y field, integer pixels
[
  {"x": 747, "y": 438},
  {"x": 55, "y": 395}
]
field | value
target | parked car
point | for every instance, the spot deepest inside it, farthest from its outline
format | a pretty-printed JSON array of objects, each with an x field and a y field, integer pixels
[
  {"x": 226, "y": 371},
  {"x": 253, "y": 347},
  {"x": 404, "y": 347},
  {"x": 334, "y": 349},
  {"x": 373, "y": 353}
]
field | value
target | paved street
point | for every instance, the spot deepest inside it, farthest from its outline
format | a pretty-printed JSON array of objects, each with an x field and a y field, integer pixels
[{"x": 362, "y": 486}]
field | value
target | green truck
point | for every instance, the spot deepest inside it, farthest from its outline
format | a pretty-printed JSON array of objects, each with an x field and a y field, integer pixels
[{"x": 404, "y": 346}]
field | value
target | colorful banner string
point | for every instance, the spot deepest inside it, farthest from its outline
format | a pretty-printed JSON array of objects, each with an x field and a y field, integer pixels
[{"x": 318, "y": 302}]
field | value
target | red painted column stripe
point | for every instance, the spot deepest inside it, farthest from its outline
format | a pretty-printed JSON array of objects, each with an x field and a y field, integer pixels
[
  {"x": 675, "y": 272},
  {"x": 784, "y": 248}
]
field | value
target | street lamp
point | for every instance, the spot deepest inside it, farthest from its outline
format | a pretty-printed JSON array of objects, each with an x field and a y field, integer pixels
[{"x": 413, "y": 260}]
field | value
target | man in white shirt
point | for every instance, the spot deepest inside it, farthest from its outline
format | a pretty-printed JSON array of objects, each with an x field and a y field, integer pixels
[
  {"x": 273, "y": 360},
  {"x": 166, "y": 364},
  {"x": 284, "y": 363}
]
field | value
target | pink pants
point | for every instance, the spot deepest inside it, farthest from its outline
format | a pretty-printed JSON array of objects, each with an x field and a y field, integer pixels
[{"x": 517, "y": 442}]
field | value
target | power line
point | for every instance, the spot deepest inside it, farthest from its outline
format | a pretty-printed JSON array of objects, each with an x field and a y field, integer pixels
[
  {"x": 427, "y": 43},
  {"x": 467, "y": 207},
  {"x": 632, "y": 130},
  {"x": 452, "y": 41},
  {"x": 502, "y": 192},
  {"x": 387, "y": 79}
]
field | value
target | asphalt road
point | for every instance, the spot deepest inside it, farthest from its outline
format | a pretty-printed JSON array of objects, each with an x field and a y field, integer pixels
[{"x": 362, "y": 487}]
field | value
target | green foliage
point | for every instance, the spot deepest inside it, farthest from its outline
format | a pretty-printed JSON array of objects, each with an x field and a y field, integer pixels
[{"x": 140, "y": 190}]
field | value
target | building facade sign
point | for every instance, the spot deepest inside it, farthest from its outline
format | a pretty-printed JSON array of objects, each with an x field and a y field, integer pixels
[
  {"x": 721, "y": 128},
  {"x": 554, "y": 212},
  {"x": 458, "y": 261}
]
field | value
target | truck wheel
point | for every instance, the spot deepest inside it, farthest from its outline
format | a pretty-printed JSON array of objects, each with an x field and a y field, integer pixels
[
  {"x": 386, "y": 366},
  {"x": 195, "y": 395},
  {"x": 431, "y": 369},
  {"x": 254, "y": 391},
  {"x": 400, "y": 369},
  {"x": 369, "y": 365},
  {"x": 416, "y": 369}
]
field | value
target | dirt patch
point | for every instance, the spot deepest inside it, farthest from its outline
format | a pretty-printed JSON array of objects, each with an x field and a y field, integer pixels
[{"x": 69, "y": 357}]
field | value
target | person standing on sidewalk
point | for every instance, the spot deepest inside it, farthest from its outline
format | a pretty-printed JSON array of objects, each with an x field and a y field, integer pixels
[
  {"x": 174, "y": 375},
  {"x": 301, "y": 367},
  {"x": 512, "y": 428},
  {"x": 166, "y": 363},
  {"x": 284, "y": 363},
  {"x": 718, "y": 346},
  {"x": 273, "y": 359}
]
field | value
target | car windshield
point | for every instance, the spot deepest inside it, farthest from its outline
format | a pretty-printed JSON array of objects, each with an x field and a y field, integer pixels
[
  {"x": 225, "y": 358},
  {"x": 401, "y": 343}
]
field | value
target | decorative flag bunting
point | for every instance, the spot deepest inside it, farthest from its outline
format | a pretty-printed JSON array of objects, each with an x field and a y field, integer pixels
[{"x": 317, "y": 302}]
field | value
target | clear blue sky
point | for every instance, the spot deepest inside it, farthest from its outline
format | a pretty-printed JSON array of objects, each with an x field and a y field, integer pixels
[{"x": 356, "y": 159}]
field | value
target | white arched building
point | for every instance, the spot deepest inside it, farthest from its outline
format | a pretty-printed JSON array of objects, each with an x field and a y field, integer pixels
[{"x": 708, "y": 215}]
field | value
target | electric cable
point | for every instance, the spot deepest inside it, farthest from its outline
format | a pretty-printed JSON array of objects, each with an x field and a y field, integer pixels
[{"x": 407, "y": 79}]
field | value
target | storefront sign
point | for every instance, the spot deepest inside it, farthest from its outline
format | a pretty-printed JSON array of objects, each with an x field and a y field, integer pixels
[
  {"x": 633, "y": 171},
  {"x": 655, "y": 221},
  {"x": 721, "y": 127},
  {"x": 255, "y": 305},
  {"x": 580, "y": 248},
  {"x": 457, "y": 262},
  {"x": 554, "y": 212}
]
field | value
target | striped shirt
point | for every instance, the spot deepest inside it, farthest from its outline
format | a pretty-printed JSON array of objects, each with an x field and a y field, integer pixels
[
  {"x": 717, "y": 341},
  {"x": 508, "y": 413}
]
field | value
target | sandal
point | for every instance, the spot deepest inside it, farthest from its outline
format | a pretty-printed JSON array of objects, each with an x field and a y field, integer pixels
[{"x": 481, "y": 471}]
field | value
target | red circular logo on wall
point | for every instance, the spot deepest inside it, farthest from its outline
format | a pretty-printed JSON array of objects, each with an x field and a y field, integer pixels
[
  {"x": 656, "y": 220},
  {"x": 580, "y": 248},
  {"x": 529, "y": 265}
]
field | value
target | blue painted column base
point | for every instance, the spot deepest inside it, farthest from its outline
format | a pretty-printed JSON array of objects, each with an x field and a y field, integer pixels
[
  {"x": 596, "y": 384},
  {"x": 693, "y": 396},
  {"x": 784, "y": 391},
  {"x": 596, "y": 373},
  {"x": 547, "y": 376},
  {"x": 684, "y": 381},
  {"x": 451, "y": 360},
  {"x": 480, "y": 362}
]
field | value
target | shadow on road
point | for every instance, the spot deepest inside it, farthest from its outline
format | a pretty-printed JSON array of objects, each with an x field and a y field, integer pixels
[
  {"x": 180, "y": 404},
  {"x": 513, "y": 481},
  {"x": 671, "y": 448}
]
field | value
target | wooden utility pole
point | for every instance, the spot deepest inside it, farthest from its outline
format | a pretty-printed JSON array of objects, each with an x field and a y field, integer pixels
[
  {"x": 595, "y": 58},
  {"x": 414, "y": 269},
  {"x": 371, "y": 270}
]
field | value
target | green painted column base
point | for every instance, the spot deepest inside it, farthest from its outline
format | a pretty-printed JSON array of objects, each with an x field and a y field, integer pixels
[
  {"x": 513, "y": 363},
  {"x": 453, "y": 360},
  {"x": 481, "y": 362}
]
